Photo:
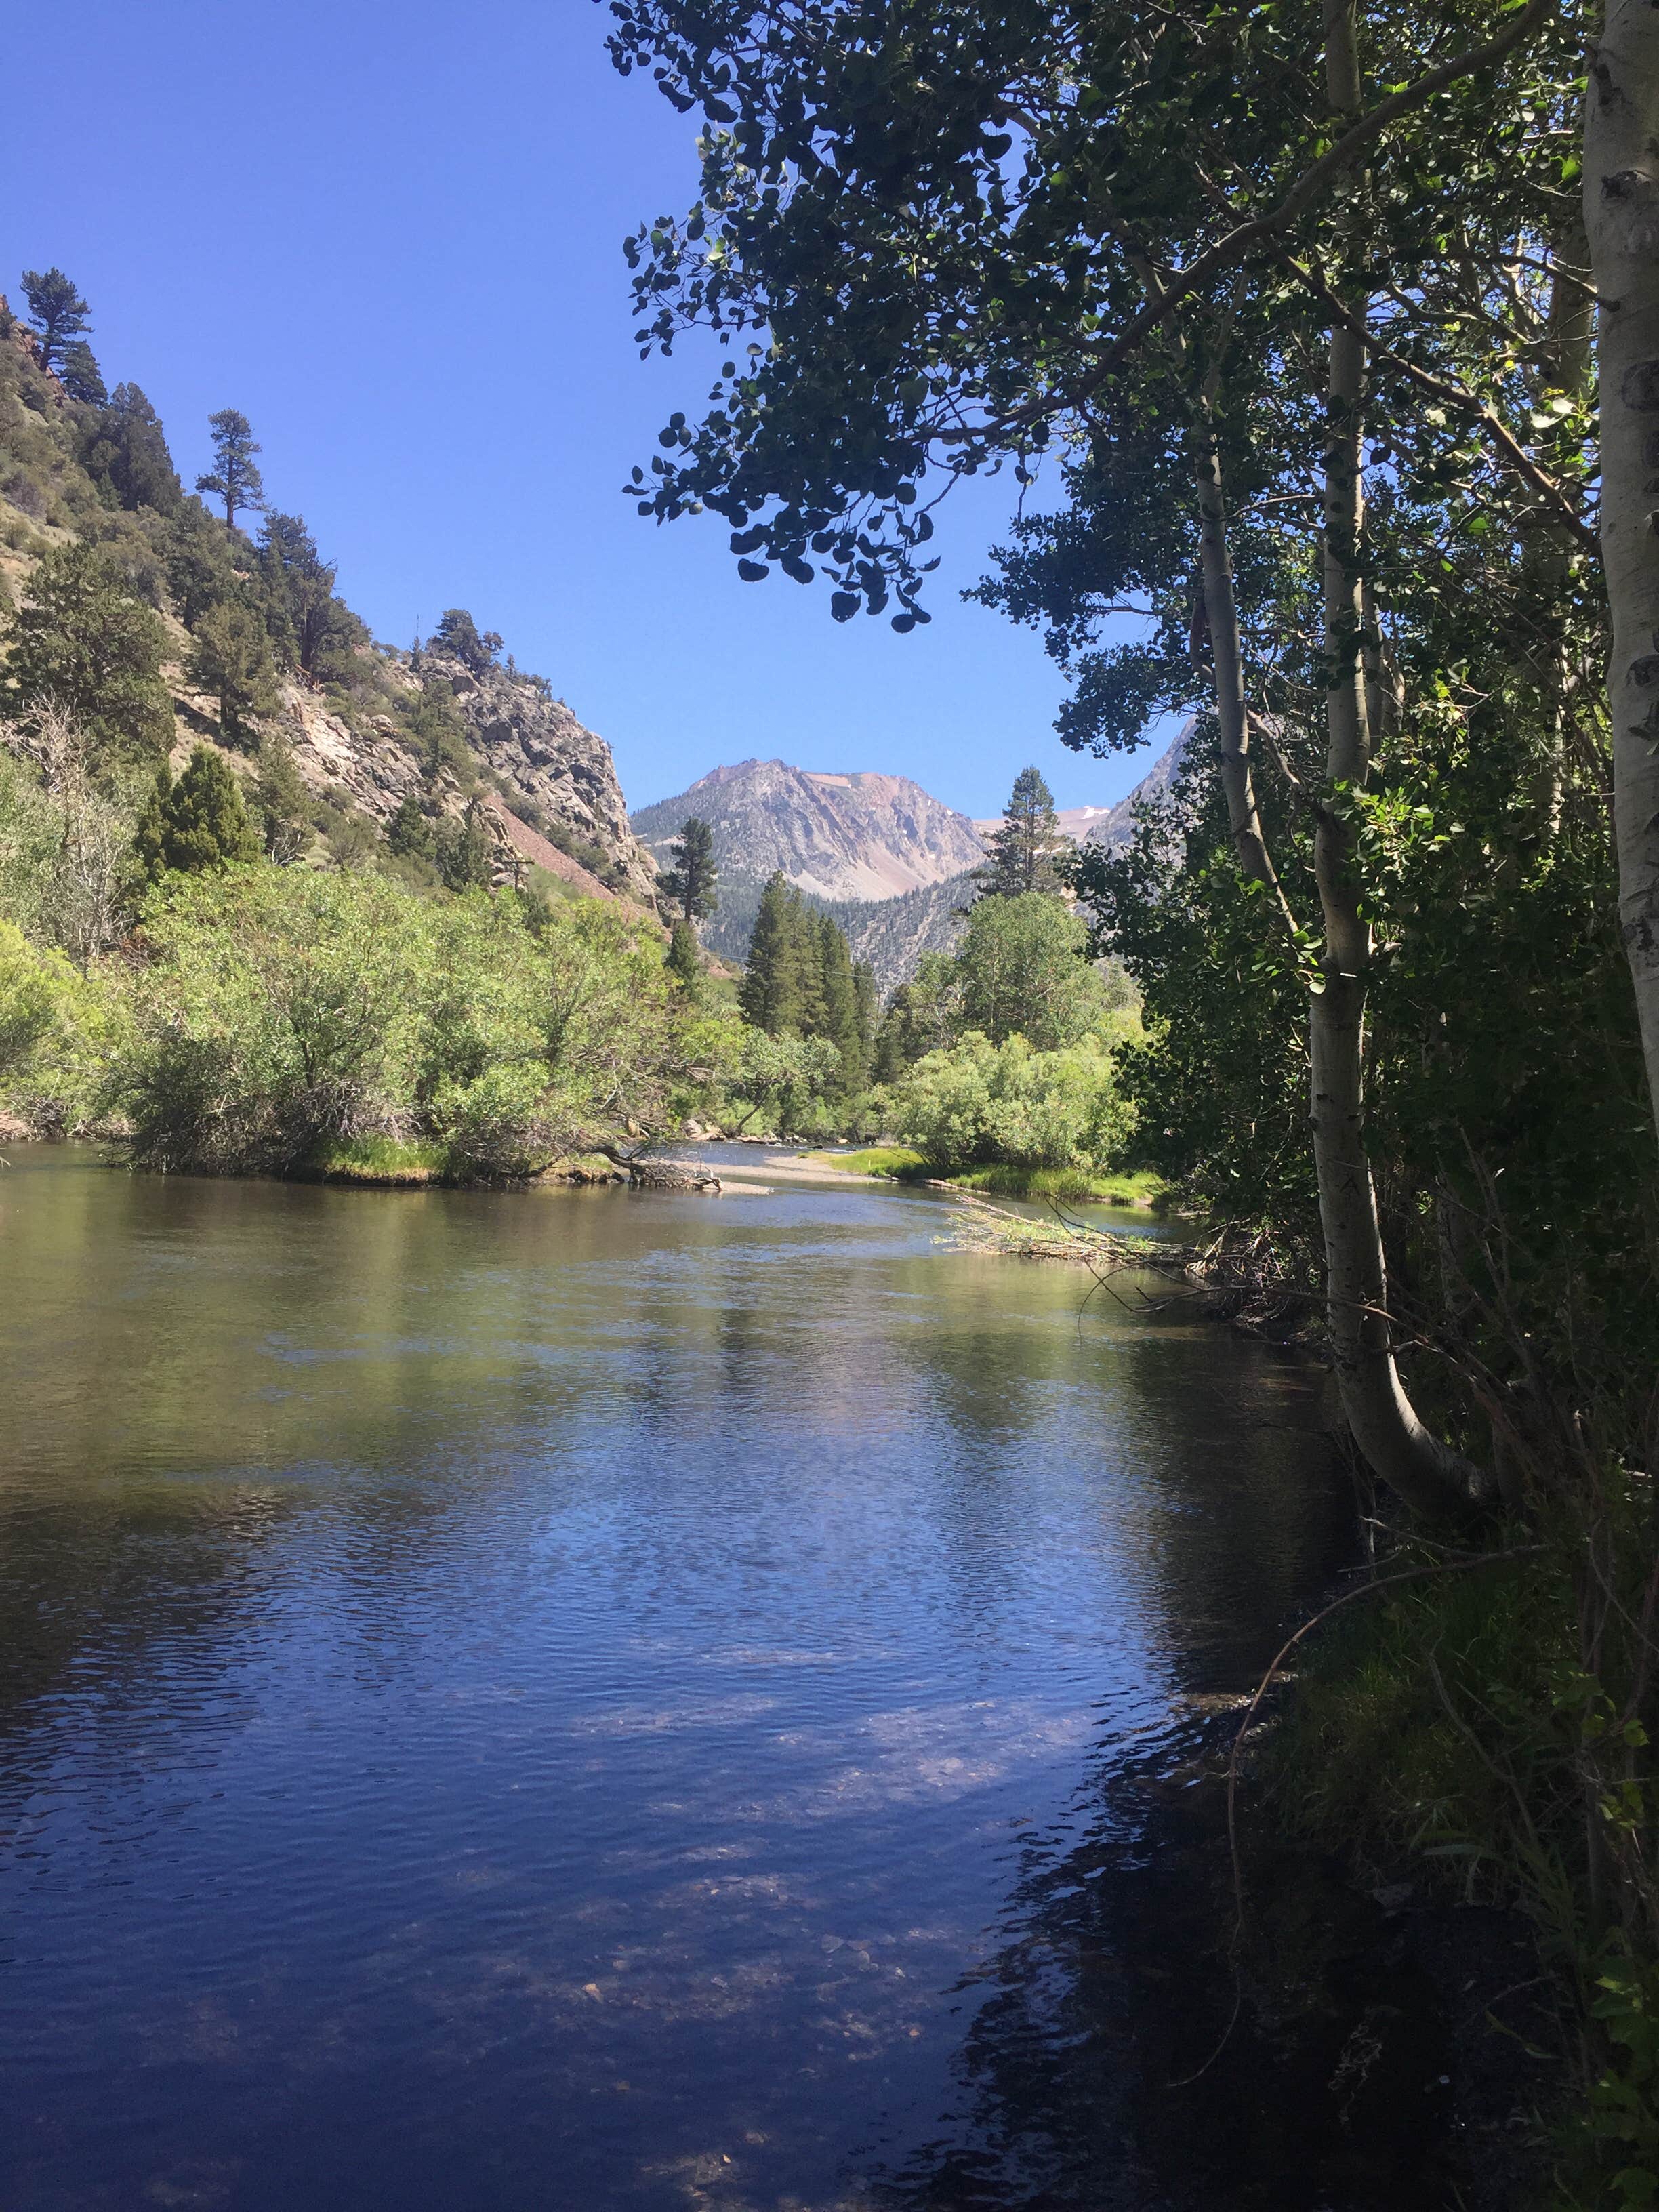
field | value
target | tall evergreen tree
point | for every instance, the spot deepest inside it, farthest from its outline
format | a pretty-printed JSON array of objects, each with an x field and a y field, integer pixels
[
  {"x": 306, "y": 618},
  {"x": 459, "y": 634},
  {"x": 231, "y": 657},
  {"x": 1023, "y": 851},
  {"x": 234, "y": 477},
  {"x": 82, "y": 643},
  {"x": 839, "y": 1019},
  {"x": 465, "y": 851},
  {"x": 682, "y": 962},
  {"x": 198, "y": 823},
  {"x": 81, "y": 376},
  {"x": 125, "y": 452},
  {"x": 689, "y": 884},
  {"x": 768, "y": 992},
  {"x": 58, "y": 314},
  {"x": 284, "y": 801}
]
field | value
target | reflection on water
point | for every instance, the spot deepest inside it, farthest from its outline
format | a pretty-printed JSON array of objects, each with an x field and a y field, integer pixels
[{"x": 589, "y": 1698}]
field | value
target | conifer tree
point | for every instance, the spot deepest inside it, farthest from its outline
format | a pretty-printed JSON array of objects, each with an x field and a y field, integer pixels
[
  {"x": 58, "y": 314},
  {"x": 767, "y": 993},
  {"x": 235, "y": 476},
  {"x": 410, "y": 833},
  {"x": 231, "y": 659},
  {"x": 126, "y": 451},
  {"x": 1023, "y": 851},
  {"x": 284, "y": 801},
  {"x": 682, "y": 962},
  {"x": 198, "y": 823},
  {"x": 459, "y": 634},
  {"x": 82, "y": 643},
  {"x": 306, "y": 618},
  {"x": 689, "y": 884},
  {"x": 465, "y": 851},
  {"x": 839, "y": 1020},
  {"x": 81, "y": 376}
]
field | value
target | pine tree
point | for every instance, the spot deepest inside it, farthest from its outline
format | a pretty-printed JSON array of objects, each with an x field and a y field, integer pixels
[
  {"x": 231, "y": 657},
  {"x": 839, "y": 1019},
  {"x": 81, "y": 376},
  {"x": 235, "y": 476},
  {"x": 198, "y": 823},
  {"x": 1023, "y": 851},
  {"x": 683, "y": 963},
  {"x": 410, "y": 833},
  {"x": 459, "y": 634},
  {"x": 465, "y": 851},
  {"x": 689, "y": 884},
  {"x": 306, "y": 618},
  {"x": 284, "y": 801},
  {"x": 767, "y": 993},
  {"x": 82, "y": 643},
  {"x": 57, "y": 311},
  {"x": 125, "y": 450}
]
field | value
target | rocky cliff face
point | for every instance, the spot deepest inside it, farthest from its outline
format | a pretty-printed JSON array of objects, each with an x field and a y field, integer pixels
[
  {"x": 853, "y": 836},
  {"x": 548, "y": 762}
]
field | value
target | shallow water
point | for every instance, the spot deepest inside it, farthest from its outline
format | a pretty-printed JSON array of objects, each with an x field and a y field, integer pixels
[{"x": 593, "y": 1698}]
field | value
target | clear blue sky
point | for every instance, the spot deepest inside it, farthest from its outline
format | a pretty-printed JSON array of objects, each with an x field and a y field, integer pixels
[{"x": 391, "y": 235}]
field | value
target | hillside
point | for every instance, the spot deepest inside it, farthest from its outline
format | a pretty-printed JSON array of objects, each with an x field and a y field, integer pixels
[
  {"x": 840, "y": 836},
  {"x": 368, "y": 726}
]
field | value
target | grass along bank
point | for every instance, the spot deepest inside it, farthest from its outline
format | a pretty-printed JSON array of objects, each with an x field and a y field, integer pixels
[{"x": 1003, "y": 1179}]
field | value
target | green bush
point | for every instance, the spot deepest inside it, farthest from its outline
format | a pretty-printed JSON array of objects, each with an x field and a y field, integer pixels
[{"x": 978, "y": 1103}]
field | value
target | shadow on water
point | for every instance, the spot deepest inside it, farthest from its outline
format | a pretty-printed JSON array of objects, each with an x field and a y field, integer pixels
[{"x": 583, "y": 1698}]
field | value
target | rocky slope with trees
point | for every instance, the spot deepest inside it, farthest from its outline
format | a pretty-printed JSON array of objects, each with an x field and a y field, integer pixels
[{"x": 214, "y": 634}]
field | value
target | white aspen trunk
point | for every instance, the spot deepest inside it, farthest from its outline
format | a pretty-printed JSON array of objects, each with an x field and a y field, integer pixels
[
  {"x": 1227, "y": 664},
  {"x": 1430, "y": 1478},
  {"x": 1621, "y": 214}
]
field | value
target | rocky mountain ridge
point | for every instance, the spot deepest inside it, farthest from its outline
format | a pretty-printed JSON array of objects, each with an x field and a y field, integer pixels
[
  {"x": 748, "y": 805},
  {"x": 852, "y": 836}
]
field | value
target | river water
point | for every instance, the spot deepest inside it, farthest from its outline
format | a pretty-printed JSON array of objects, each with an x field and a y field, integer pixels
[{"x": 578, "y": 1699}]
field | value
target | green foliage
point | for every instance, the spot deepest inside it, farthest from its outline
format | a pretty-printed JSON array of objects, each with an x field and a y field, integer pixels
[
  {"x": 980, "y": 1102},
  {"x": 231, "y": 657},
  {"x": 286, "y": 1013},
  {"x": 689, "y": 884},
  {"x": 464, "y": 850},
  {"x": 234, "y": 477},
  {"x": 410, "y": 833},
  {"x": 199, "y": 823},
  {"x": 81, "y": 376},
  {"x": 685, "y": 963},
  {"x": 123, "y": 450},
  {"x": 82, "y": 643},
  {"x": 58, "y": 314},
  {"x": 284, "y": 801},
  {"x": 57, "y": 1028},
  {"x": 311, "y": 628},
  {"x": 781, "y": 1082},
  {"x": 457, "y": 634},
  {"x": 1029, "y": 852},
  {"x": 1024, "y": 969},
  {"x": 923, "y": 1016}
]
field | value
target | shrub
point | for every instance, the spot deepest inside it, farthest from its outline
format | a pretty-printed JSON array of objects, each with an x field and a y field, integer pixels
[{"x": 976, "y": 1103}]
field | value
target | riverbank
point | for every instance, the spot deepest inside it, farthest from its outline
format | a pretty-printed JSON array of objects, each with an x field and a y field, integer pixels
[{"x": 1079, "y": 1186}]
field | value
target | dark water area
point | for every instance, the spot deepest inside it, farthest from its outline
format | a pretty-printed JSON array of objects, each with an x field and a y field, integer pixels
[{"x": 599, "y": 1698}]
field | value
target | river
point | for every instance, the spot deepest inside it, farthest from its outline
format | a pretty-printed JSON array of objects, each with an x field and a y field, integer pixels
[{"x": 583, "y": 1698}]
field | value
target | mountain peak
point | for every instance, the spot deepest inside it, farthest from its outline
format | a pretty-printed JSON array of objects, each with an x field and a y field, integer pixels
[{"x": 841, "y": 833}]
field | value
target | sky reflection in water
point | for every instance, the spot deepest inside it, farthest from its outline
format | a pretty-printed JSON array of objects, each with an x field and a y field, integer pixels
[{"x": 560, "y": 1699}]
